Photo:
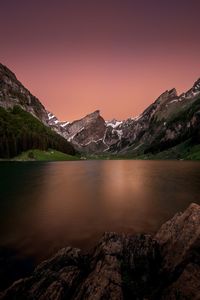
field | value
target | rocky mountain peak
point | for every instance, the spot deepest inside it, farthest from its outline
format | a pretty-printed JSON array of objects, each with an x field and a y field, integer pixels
[
  {"x": 5, "y": 72},
  {"x": 96, "y": 113},
  {"x": 193, "y": 92},
  {"x": 93, "y": 115},
  {"x": 93, "y": 134},
  {"x": 173, "y": 93},
  {"x": 196, "y": 85},
  {"x": 114, "y": 123},
  {"x": 167, "y": 96},
  {"x": 12, "y": 92}
]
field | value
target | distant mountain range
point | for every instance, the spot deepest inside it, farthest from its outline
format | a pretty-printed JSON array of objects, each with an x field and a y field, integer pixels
[{"x": 170, "y": 121}]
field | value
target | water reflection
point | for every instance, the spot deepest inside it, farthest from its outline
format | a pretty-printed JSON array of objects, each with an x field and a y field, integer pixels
[{"x": 45, "y": 206}]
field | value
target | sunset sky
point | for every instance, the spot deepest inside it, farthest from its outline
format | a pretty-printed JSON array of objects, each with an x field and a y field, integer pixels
[{"x": 77, "y": 56}]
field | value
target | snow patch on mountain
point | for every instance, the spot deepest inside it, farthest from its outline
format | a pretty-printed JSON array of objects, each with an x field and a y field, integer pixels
[
  {"x": 113, "y": 123},
  {"x": 64, "y": 124},
  {"x": 137, "y": 117},
  {"x": 72, "y": 137},
  {"x": 50, "y": 116}
]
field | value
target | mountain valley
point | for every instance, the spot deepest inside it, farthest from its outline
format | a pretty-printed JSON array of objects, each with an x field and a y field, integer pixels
[{"x": 170, "y": 121}]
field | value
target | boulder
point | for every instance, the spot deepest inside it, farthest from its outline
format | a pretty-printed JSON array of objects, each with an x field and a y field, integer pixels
[{"x": 166, "y": 266}]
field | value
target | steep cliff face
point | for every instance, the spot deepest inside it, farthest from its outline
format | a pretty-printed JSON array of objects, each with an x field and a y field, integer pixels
[
  {"x": 12, "y": 93},
  {"x": 23, "y": 120},
  {"x": 170, "y": 120},
  {"x": 87, "y": 133},
  {"x": 166, "y": 266},
  {"x": 91, "y": 134}
]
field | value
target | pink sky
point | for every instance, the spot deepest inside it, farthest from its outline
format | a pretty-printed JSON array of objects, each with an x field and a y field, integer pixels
[{"x": 117, "y": 57}]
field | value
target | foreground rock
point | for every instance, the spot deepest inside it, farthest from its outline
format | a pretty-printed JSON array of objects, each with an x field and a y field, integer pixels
[
  {"x": 180, "y": 248},
  {"x": 166, "y": 266}
]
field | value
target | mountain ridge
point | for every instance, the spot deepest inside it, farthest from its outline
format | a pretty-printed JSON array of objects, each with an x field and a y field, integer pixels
[
  {"x": 170, "y": 120},
  {"x": 23, "y": 124},
  {"x": 122, "y": 136},
  {"x": 13, "y": 92}
]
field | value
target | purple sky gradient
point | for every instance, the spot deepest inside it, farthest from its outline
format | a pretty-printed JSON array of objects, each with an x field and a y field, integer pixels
[{"x": 117, "y": 56}]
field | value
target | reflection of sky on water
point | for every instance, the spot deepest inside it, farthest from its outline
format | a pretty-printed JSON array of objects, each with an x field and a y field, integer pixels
[{"x": 45, "y": 206}]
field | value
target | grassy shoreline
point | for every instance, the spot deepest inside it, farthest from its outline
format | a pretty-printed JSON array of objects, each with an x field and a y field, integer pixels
[
  {"x": 182, "y": 151},
  {"x": 40, "y": 155}
]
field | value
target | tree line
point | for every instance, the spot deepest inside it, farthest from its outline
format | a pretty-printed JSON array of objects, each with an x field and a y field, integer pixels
[{"x": 20, "y": 131}]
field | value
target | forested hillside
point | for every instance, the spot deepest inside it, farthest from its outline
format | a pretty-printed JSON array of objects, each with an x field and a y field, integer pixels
[{"x": 21, "y": 131}]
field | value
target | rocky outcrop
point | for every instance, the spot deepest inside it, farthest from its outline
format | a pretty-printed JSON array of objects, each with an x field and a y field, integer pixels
[
  {"x": 186, "y": 286},
  {"x": 170, "y": 120},
  {"x": 91, "y": 134},
  {"x": 12, "y": 93},
  {"x": 179, "y": 239},
  {"x": 118, "y": 266},
  {"x": 23, "y": 120},
  {"x": 166, "y": 266},
  {"x": 87, "y": 134}
]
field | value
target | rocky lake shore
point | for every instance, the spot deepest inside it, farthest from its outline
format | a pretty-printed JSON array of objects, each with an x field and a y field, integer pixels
[{"x": 163, "y": 266}]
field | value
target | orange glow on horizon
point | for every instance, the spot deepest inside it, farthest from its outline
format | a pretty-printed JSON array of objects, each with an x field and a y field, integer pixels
[
  {"x": 72, "y": 91},
  {"x": 115, "y": 56}
]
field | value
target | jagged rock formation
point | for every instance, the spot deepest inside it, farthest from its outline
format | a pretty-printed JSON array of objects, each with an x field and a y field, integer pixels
[
  {"x": 12, "y": 93},
  {"x": 166, "y": 266},
  {"x": 87, "y": 132},
  {"x": 180, "y": 248},
  {"x": 179, "y": 235},
  {"x": 170, "y": 120},
  {"x": 23, "y": 120},
  {"x": 91, "y": 134}
]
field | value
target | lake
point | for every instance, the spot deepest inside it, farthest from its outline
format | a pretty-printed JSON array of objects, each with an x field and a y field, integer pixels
[{"x": 46, "y": 206}]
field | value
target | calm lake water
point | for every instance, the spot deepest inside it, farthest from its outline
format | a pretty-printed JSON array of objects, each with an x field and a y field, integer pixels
[{"x": 45, "y": 206}]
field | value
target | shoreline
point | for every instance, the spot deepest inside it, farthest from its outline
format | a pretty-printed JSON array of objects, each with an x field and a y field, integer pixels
[{"x": 123, "y": 266}]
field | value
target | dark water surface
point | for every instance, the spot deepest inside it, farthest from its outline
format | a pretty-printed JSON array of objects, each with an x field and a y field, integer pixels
[{"x": 45, "y": 206}]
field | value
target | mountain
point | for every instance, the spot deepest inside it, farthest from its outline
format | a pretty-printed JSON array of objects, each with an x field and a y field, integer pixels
[
  {"x": 13, "y": 93},
  {"x": 172, "y": 119},
  {"x": 90, "y": 134},
  {"x": 165, "y": 266},
  {"x": 23, "y": 120}
]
